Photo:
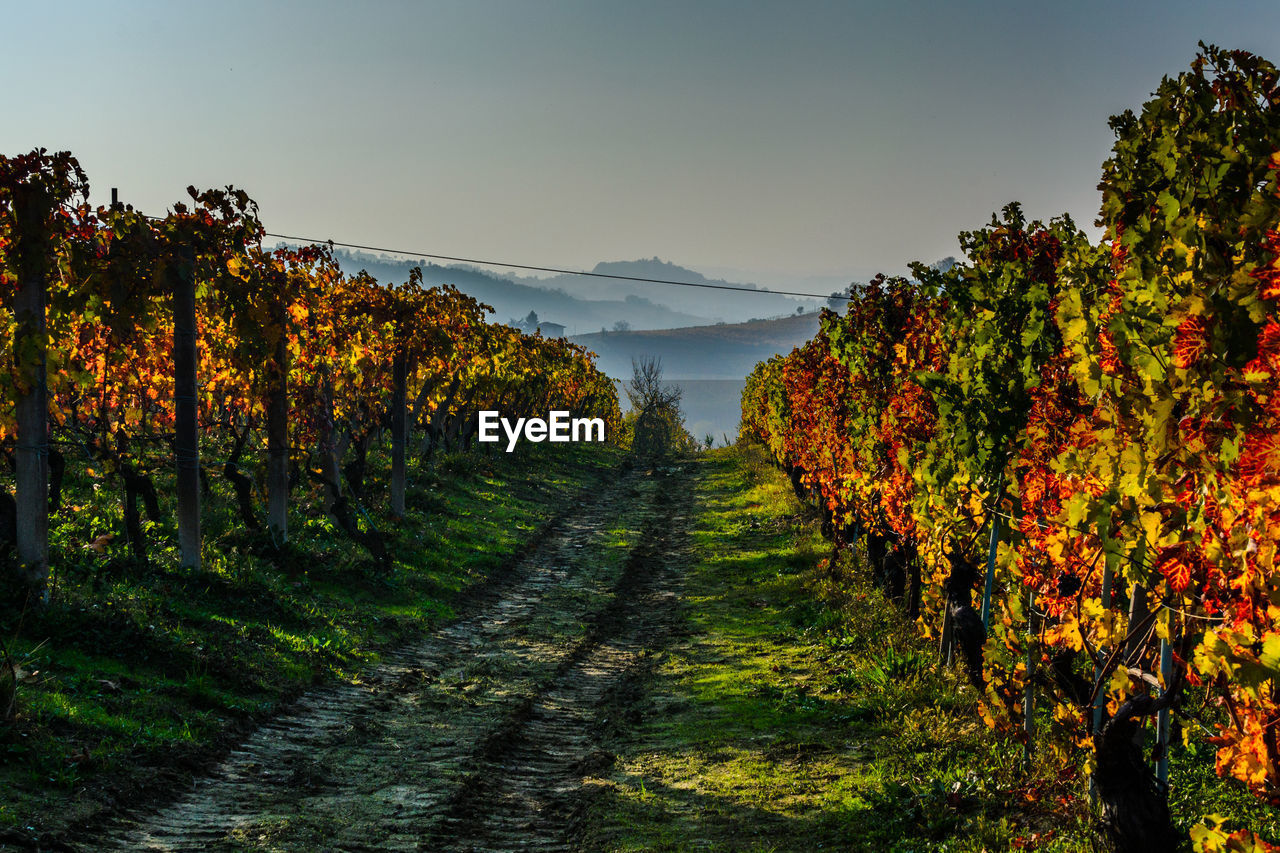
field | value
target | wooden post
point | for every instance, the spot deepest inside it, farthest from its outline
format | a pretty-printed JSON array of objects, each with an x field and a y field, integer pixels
[
  {"x": 30, "y": 354},
  {"x": 399, "y": 423},
  {"x": 186, "y": 441},
  {"x": 330, "y": 452},
  {"x": 278, "y": 446},
  {"x": 1138, "y": 611}
]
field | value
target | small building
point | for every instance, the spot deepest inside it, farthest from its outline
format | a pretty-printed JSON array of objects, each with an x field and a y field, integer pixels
[{"x": 551, "y": 330}]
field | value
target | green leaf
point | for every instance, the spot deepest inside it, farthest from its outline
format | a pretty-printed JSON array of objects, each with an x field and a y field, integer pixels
[
  {"x": 1270, "y": 656},
  {"x": 1168, "y": 206}
]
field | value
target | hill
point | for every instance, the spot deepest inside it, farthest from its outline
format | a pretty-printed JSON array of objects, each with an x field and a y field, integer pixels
[
  {"x": 720, "y": 351},
  {"x": 704, "y": 302},
  {"x": 513, "y": 300},
  {"x": 709, "y": 363}
]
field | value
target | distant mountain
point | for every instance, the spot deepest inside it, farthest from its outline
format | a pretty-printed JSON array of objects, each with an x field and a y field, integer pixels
[
  {"x": 709, "y": 363},
  {"x": 717, "y": 305},
  {"x": 585, "y": 304},
  {"x": 724, "y": 351},
  {"x": 801, "y": 283},
  {"x": 512, "y": 300}
]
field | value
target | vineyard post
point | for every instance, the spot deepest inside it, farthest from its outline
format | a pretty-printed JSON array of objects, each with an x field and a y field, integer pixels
[
  {"x": 278, "y": 444},
  {"x": 1138, "y": 611},
  {"x": 1162, "y": 720},
  {"x": 328, "y": 444},
  {"x": 944, "y": 649},
  {"x": 991, "y": 554},
  {"x": 1100, "y": 703},
  {"x": 186, "y": 441},
  {"x": 30, "y": 353},
  {"x": 1028, "y": 694},
  {"x": 399, "y": 421},
  {"x": 991, "y": 573}
]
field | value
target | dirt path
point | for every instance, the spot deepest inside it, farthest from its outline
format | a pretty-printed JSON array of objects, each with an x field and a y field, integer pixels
[{"x": 476, "y": 738}]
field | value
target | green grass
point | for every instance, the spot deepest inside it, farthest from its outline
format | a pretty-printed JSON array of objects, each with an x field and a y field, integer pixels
[
  {"x": 803, "y": 712},
  {"x": 797, "y": 712},
  {"x": 133, "y": 673},
  {"x": 798, "y": 715}
]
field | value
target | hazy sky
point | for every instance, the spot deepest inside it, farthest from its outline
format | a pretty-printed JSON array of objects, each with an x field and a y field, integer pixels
[{"x": 781, "y": 139}]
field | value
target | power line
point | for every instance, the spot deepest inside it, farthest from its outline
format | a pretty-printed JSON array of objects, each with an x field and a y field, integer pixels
[
  {"x": 738, "y": 288},
  {"x": 734, "y": 287}
]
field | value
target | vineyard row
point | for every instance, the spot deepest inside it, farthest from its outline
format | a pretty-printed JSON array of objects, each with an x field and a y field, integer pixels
[
  {"x": 155, "y": 343},
  {"x": 1063, "y": 458}
]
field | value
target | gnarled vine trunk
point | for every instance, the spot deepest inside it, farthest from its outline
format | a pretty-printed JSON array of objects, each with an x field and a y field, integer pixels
[
  {"x": 967, "y": 632},
  {"x": 1135, "y": 807}
]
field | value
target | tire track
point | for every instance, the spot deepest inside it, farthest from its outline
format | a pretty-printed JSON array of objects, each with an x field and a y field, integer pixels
[
  {"x": 525, "y": 791},
  {"x": 473, "y": 738}
]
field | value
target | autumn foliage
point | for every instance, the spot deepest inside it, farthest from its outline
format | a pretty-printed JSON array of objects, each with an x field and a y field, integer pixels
[
  {"x": 1114, "y": 409},
  {"x": 270, "y": 324}
]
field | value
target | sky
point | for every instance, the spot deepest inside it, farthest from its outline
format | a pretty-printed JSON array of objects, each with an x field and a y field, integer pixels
[{"x": 777, "y": 142}]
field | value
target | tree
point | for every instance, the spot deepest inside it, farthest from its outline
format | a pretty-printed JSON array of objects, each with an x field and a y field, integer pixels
[{"x": 657, "y": 425}]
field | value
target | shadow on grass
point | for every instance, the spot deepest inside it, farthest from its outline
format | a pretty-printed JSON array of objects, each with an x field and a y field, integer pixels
[
  {"x": 802, "y": 713},
  {"x": 885, "y": 817}
]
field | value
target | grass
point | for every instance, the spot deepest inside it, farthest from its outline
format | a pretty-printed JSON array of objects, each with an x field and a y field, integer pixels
[
  {"x": 803, "y": 712},
  {"x": 133, "y": 676},
  {"x": 798, "y": 715},
  {"x": 798, "y": 711}
]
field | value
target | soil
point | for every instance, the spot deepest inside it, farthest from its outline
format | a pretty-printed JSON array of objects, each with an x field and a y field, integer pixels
[{"x": 476, "y": 738}]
